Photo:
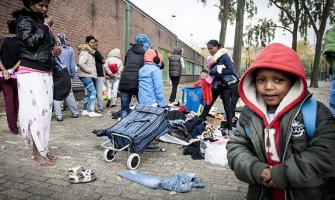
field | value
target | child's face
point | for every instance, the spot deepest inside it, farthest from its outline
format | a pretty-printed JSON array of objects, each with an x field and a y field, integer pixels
[
  {"x": 272, "y": 85},
  {"x": 203, "y": 75}
]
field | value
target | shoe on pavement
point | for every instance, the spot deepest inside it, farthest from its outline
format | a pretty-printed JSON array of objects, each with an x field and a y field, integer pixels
[
  {"x": 84, "y": 113},
  {"x": 75, "y": 116},
  {"x": 99, "y": 110},
  {"x": 94, "y": 114},
  {"x": 108, "y": 103},
  {"x": 59, "y": 119}
]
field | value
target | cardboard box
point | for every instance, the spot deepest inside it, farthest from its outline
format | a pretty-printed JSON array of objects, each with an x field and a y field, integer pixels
[{"x": 213, "y": 121}]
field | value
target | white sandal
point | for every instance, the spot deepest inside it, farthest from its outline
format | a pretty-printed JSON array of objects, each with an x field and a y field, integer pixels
[
  {"x": 74, "y": 170},
  {"x": 82, "y": 177}
]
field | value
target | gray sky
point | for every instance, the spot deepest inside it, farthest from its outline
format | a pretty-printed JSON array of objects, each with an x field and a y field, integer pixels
[{"x": 196, "y": 24}]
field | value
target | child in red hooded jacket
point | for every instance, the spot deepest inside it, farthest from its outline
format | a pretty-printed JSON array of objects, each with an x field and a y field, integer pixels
[{"x": 270, "y": 149}]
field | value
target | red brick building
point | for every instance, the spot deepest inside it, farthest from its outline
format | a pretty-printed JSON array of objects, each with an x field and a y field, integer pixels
[{"x": 115, "y": 23}]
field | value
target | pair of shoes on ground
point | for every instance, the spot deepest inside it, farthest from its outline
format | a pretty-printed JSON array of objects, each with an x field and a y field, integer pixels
[
  {"x": 80, "y": 174},
  {"x": 60, "y": 119},
  {"x": 90, "y": 114}
]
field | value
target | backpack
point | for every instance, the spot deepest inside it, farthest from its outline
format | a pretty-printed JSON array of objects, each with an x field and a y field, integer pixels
[
  {"x": 62, "y": 81},
  {"x": 309, "y": 110}
]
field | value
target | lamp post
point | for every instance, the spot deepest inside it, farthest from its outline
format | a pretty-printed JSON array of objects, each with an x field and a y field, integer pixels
[{"x": 172, "y": 16}]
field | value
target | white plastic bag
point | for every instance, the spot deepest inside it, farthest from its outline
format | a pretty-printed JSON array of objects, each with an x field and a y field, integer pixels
[{"x": 216, "y": 153}]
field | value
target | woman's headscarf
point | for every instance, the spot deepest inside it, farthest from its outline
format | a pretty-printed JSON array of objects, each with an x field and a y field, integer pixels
[
  {"x": 143, "y": 40},
  {"x": 62, "y": 40}
]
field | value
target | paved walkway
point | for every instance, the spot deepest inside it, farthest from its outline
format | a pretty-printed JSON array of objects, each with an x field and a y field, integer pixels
[{"x": 74, "y": 144}]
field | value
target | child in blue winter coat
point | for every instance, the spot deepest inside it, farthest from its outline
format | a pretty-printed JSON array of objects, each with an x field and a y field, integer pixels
[{"x": 151, "y": 91}]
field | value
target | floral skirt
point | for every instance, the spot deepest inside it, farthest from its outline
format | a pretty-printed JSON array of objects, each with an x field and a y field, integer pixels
[{"x": 35, "y": 108}]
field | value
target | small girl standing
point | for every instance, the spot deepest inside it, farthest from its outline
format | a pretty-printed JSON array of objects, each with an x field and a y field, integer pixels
[{"x": 113, "y": 68}]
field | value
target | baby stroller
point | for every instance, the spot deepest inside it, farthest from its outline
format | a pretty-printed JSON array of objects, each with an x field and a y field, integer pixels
[{"x": 135, "y": 132}]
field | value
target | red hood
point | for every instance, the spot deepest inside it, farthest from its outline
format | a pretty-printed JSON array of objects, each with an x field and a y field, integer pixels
[{"x": 279, "y": 57}]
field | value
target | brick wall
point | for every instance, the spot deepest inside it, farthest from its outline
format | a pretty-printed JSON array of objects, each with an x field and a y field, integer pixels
[{"x": 106, "y": 20}]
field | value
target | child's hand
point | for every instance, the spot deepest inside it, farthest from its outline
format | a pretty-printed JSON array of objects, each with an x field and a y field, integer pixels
[{"x": 266, "y": 177}]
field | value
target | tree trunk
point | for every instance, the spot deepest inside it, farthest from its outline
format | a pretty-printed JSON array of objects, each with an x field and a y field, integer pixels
[
  {"x": 238, "y": 34},
  {"x": 295, "y": 26},
  {"x": 316, "y": 64},
  {"x": 295, "y": 37},
  {"x": 224, "y": 20}
]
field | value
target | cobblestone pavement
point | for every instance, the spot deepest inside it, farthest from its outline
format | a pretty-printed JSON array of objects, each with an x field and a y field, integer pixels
[{"x": 74, "y": 144}]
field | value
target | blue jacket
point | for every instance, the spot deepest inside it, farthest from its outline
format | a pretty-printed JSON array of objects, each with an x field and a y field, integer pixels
[{"x": 151, "y": 85}]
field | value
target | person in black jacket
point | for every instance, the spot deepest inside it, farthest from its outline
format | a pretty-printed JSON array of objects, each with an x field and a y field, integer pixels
[
  {"x": 9, "y": 63},
  {"x": 129, "y": 79},
  {"x": 220, "y": 58},
  {"x": 34, "y": 77}
]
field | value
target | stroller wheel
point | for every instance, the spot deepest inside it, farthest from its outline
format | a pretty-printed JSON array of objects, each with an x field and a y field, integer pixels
[
  {"x": 133, "y": 161},
  {"x": 109, "y": 155}
]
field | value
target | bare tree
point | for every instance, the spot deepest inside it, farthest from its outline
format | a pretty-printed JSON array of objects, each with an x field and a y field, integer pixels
[{"x": 318, "y": 12}]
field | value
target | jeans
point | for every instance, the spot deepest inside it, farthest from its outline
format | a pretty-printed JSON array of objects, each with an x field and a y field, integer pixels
[
  {"x": 10, "y": 93},
  {"x": 70, "y": 102},
  {"x": 177, "y": 182},
  {"x": 125, "y": 101},
  {"x": 175, "y": 83},
  {"x": 90, "y": 93},
  {"x": 98, "y": 83},
  {"x": 225, "y": 94}
]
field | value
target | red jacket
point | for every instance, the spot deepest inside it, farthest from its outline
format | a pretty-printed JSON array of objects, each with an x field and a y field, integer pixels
[{"x": 206, "y": 90}]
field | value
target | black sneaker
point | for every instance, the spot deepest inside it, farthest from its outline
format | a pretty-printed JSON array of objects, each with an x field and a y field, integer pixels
[
  {"x": 59, "y": 119},
  {"x": 152, "y": 147},
  {"x": 75, "y": 116},
  {"x": 108, "y": 103}
]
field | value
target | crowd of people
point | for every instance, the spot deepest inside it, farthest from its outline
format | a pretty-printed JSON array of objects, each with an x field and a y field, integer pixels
[{"x": 269, "y": 149}]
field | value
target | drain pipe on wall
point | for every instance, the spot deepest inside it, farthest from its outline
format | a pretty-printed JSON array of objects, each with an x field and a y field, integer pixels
[{"x": 126, "y": 47}]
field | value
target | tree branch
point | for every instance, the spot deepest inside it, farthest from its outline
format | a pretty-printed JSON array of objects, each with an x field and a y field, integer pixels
[
  {"x": 309, "y": 16},
  {"x": 284, "y": 9},
  {"x": 283, "y": 27}
]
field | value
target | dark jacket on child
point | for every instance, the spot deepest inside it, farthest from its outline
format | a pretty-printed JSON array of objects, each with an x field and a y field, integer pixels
[{"x": 301, "y": 168}]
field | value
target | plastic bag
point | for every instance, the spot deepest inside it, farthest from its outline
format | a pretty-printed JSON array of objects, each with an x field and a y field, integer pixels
[{"x": 215, "y": 153}]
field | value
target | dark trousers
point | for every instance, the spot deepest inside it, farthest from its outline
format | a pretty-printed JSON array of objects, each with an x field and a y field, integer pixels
[
  {"x": 126, "y": 97},
  {"x": 234, "y": 98},
  {"x": 10, "y": 93},
  {"x": 225, "y": 94},
  {"x": 175, "y": 83}
]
